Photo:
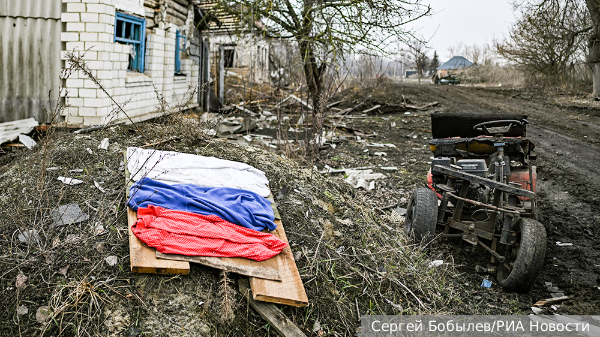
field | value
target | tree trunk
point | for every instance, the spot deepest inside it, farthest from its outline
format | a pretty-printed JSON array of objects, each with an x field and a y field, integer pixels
[
  {"x": 594, "y": 44},
  {"x": 314, "y": 81}
]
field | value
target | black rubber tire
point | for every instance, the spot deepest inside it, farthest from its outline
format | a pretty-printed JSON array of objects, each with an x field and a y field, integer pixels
[
  {"x": 460, "y": 124},
  {"x": 421, "y": 216},
  {"x": 527, "y": 257}
]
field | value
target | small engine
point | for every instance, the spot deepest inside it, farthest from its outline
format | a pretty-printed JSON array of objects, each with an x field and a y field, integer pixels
[{"x": 476, "y": 191}]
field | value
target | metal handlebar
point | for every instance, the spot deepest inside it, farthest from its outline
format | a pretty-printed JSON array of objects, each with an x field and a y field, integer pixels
[{"x": 487, "y": 127}]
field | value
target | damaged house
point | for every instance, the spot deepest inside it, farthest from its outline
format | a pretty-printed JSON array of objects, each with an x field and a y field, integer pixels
[
  {"x": 235, "y": 48},
  {"x": 138, "y": 50}
]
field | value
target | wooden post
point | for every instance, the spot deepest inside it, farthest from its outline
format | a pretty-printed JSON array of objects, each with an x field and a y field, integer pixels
[{"x": 221, "y": 74}]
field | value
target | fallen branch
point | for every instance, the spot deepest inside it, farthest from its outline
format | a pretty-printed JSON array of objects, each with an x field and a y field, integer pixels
[
  {"x": 413, "y": 294},
  {"x": 160, "y": 142}
]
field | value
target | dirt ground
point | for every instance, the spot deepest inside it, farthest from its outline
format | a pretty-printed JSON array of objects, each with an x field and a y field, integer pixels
[{"x": 348, "y": 243}]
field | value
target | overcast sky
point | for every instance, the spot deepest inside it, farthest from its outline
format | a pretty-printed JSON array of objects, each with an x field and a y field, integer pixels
[{"x": 467, "y": 21}]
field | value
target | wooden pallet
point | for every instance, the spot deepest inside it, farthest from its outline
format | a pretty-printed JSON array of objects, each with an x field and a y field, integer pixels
[
  {"x": 143, "y": 258},
  {"x": 268, "y": 269},
  {"x": 290, "y": 290}
]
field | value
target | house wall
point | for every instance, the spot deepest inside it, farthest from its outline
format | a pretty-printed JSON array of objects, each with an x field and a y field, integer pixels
[{"x": 89, "y": 29}]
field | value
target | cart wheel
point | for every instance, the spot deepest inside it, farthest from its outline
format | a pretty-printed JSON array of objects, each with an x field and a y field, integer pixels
[
  {"x": 523, "y": 260},
  {"x": 421, "y": 216}
]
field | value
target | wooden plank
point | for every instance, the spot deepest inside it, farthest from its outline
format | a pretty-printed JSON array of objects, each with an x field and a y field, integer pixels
[
  {"x": 290, "y": 290},
  {"x": 264, "y": 269},
  {"x": 283, "y": 325},
  {"x": 143, "y": 258}
]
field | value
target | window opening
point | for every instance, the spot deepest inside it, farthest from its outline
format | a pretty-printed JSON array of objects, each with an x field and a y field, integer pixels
[{"x": 131, "y": 30}]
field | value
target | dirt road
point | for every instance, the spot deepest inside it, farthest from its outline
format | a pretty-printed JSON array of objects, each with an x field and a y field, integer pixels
[{"x": 567, "y": 138}]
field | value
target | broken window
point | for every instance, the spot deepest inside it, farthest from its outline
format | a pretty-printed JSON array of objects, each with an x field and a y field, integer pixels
[
  {"x": 229, "y": 56},
  {"x": 131, "y": 30}
]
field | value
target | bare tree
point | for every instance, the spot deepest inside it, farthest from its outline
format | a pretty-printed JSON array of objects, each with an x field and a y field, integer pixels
[
  {"x": 327, "y": 30},
  {"x": 548, "y": 38},
  {"x": 417, "y": 49}
]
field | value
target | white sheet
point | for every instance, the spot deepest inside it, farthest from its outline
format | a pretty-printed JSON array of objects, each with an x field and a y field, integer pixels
[{"x": 181, "y": 168}]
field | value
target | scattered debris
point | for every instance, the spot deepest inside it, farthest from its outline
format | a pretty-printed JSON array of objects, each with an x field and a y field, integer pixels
[
  {"x": 437, "y": 263},
  {"x": 389, "y": 168},
  {"x": 63, "y": 270},
  {"x": 563, "y": 244},
  {"x": 269, "y": 311},
  {"x": 380, "y": 154},
  {"x": 111, "y": 260},
  {"x": 22, "y": 310},
  {"x": 68, "y": 214},
  {"x": 70, "y": 181},
  {"x": 89, "y": 150},
  {"x": 76, "y": 171},
  {"x": 359, "y": 178},
  {"x": 553, "y": 300},
  {"x": 99, "y": 187},
  {"x": 29, "y": 236},
  {"x": 536, "y": 310},
  {"x": 11, "y": 130},
  {"x": 373, "y": 108},
  {"x": 394, "y": 305},
  {"x": 295, "y": 98},
  {"x": 104, "y": 144},
  {"x": 401, "y": 211},
  {"x": 42, "y": 314},
  {"x": 21, "y": 280},
  {"x": 27, "y": 141},
  {"x": 235, "y": 125},
  {"x": 486, "y": 283}
]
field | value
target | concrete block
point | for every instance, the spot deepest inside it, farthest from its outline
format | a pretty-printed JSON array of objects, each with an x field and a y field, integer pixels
[
  {"x": 105, "y": 18},
  {"x": 75, "y": 27},
  {"x": 109, "y": 29},
  {"x": 74, "y": 83},
  {"x": 96, "y": 8},
  {"x": 105, "y": 74},
  {"x": 108, "y": 65},
  {"x": 103, "y": 112},
  {"x": 91, "y": 93},
  {"x": 90, "y": 55},
  {"x": 74, "y": 120},
  {"x": 69, "y": 37},
  {"x": 92, "y": 120},
  {"x": 70, "y": 46},
  {"x": 87, "y": 112},
  {"x": 109, "y": 10},
  {"x": 105, "y": 37},
  {"x": 104, "y": 56},
  {"x": 96, "y": 102},
  {"x": 75, "y": 101},
  {"x": 89, "y": 17},
  {"x": 91, "y": 1},
  {"x": 92, "y": 37},
  {"x": 67, "y": 1},
  {"x": 114, "y": 57},
  {"x": 87, "y": 83},
  {"x": 117, "y": 47},
  {"x": 95, "y": 27},
  {"x": 96, "y": 65},
  {"x": 91, "y": 45},
  {"x": 74, "y": 7}
]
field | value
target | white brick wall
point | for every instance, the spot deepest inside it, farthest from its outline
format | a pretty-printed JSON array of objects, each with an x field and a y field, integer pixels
[{"x": 90, "y": 26}]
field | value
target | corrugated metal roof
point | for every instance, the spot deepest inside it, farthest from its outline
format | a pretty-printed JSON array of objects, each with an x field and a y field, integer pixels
[
  {"x": 30, "y": 61},
  {"x": 457, "y": 62},
  {"x": 44, "y": 9}
]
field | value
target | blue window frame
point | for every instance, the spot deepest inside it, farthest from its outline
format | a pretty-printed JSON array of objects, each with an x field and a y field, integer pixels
[
  {"x": 131, "y": 30},
  {"x": 178, "y": 49}
]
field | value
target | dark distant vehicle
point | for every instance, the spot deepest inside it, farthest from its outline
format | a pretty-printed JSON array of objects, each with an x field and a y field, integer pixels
[{"x": 450, "y": 79}]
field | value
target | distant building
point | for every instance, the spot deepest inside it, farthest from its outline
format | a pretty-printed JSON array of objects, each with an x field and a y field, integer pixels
[{"x": 453, "y": 66}]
